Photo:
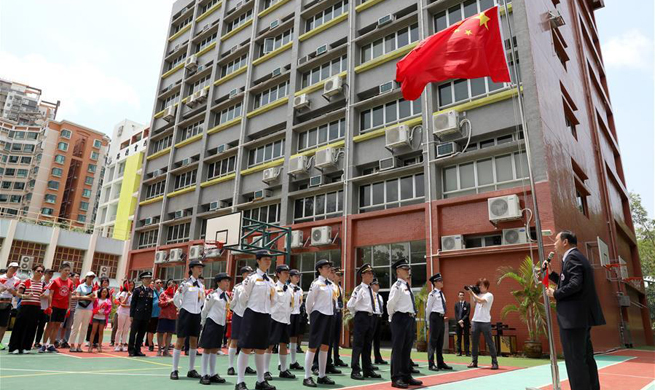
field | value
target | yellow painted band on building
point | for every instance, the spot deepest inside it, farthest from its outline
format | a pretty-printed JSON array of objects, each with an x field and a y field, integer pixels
[
  {"x": 224, "y": 126},
  {"x": 231, "y": 75},
  {"x": 126, "y": 200},
  {"x": 272, "y": 54},
  {"x": 189, "y": 140},
  {"x": 209, "y": 11},
  {"x": 159, "y": 154},
  {"x": 180, "y": 192},
  {"x": 272, "y": 8},
  {"x": 152, "y": 200},
  {"x": 205, "y": 50},
  {"x": 385, "y": 58},
  {"x": 312, "y": 152},
  {"x": 268, "y": 107},
  {"x": 212, "y": 182},
  {"x": 475, "y": 103},
  {"x": 323, "y": 27},
  {"x": 382, "y": 131},
  {"x": 367, "y": 5},
  {"x": 236, "y": 30},
  {"x": 173, "y": 70},
  {"x": 261, "y": 167},
  {"x": 317, "y": 86},
  {"x": 182, "y": 31}
]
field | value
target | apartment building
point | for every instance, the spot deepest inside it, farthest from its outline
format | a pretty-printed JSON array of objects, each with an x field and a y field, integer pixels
[
  {"x": 22, "y": 104},
  {"x": 288, "y": 112}
]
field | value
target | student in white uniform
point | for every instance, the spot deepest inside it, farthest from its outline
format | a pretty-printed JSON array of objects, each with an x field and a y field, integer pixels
[
  {"x": 238, "y": 307},
  {"x": 320, "y": 307},
  {"x": 259, "y": 295},
  {"x": 213, "y": 318},
  {"x": 281, "y": 319},
  {"x": 435, "y": 315},
  {"x": 295, "y": 325},
  {"x": 189, "y": 298}
]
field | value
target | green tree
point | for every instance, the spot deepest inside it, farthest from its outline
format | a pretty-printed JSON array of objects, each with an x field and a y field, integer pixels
[{"x": 645, "y": 231}]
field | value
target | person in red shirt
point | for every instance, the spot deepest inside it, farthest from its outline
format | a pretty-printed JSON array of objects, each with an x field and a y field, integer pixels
[{"x": 60, "y": 293}]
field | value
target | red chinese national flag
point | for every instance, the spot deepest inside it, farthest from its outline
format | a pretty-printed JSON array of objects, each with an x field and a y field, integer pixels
[{"x": 469, "y": 49}]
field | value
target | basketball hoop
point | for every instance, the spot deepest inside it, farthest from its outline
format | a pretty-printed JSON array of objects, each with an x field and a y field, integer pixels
[
  {"x": 635, "y": 281},
  {"x": 213, "y": 248}
]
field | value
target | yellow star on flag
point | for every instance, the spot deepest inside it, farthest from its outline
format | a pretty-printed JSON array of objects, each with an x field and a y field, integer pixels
[
  {"x": 483, "y": 19},
  {"x": 468, "y": 32}
]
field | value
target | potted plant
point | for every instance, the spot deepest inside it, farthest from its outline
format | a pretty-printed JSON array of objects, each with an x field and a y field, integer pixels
[
  {"x": 421, "y": 327},
  {"x": 529, "y": 305}
]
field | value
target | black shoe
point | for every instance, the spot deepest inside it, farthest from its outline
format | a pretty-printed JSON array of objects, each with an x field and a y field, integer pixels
[
  {"x": 296, "y": 366},
  {"x": 309, "y": 382},
  {"x": 216, "y": 379},
  {"x": 230, "y": 371},
  {"x": 432, "y": 367},
  {"x": 240, "y": 386},
  {"x": 414, "y": 382},
  {"x": 268, "y": 376},
  {"x": 250, "y": 371},
  {"x": 299, "y": 350},
  {"x": 205, "y": 380},
  {"x": 415, "y": 371},
  {"x": 286, "y": 374},
  {"x": 279, "y": 367},
  {"x": 275, "y": 349},
  {"x": 375, "y": 368},
  {"x": 332, "y": 370},
  {"x": 413, "y": 364},
  {"x": 494, "y": 366},
  {"x": 372, "y": 374},
  {"x": 263, "y": 386},
  {"x": 468, "y": 354},
  {"x": 325, "y": 381},
  {"x": 139, "y": 354},
  {"x": 131, "y": 354},
  {"x": 444, "y": 366},
  {"x": 382, "y": 362},
  {"x": 340, "y": 363},
  {"x": 174, "y": 375},
  {"x": 459, "y": 354},
  {"x": 473, "y": 365},
  {"x": 356, "y": 375},
  {"x": 193, "y": 374},
  {"x": 151, "y": 348},
  {"x": 399, "y": 384}
]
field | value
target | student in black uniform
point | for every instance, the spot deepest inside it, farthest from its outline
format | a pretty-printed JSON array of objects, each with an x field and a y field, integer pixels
[
  {"x": 337, "y": 320},
  {"x": 435, "y": 315},
  {"x": 140, "y": 312},
  {"x": 238, "y": 307},
  {"x": 213, "y": 316}
]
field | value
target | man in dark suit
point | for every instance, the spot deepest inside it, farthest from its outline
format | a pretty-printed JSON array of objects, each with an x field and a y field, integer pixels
[
  {"x": 462, "y": 316},
  {"x": 578, "y": 309}
]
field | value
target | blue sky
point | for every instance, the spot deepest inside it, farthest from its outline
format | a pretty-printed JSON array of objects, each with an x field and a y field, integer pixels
[{"x": 101, "y": 59}]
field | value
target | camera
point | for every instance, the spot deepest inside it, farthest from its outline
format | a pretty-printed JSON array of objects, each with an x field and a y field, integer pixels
[{"x": 473, "y": 288}]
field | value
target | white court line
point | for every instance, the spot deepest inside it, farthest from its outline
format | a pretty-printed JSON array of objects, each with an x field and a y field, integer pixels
[
  {"x": 602, "y": 368},
  {"x": 649, "y": 386}
]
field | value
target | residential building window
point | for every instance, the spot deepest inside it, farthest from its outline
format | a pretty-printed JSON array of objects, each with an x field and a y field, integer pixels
[
  {"x": 391, "y": 42},
  {"x": 186, "y": 179},
  {"x": 489, "y": 174},
  {"x": 15, "y": 198},
  {"x": 229, "y": 113},
  {"x": 169, "y": 101},
  {"x": 162, "y": 144},
  {"x": 206, "y": 42},
  {"x": 326, "y": 15},
  {"x": 234, "y": 65},
  {"x": 273, "y": 43},
  {"x": 63, "y": 146},
  {"x": 30, "y": 148},
  {"x": 84, "y": 206},
  {"x": 6, "y": 185},
  {"x": 94, "y": 155},
  {"x": 60, "y": 159},
  {"x": 267, "y": 214},
  {"x": 389, "y": 113},
  {"x": 26, "y": 160},
  {"x": 317, "y": 207},
  {"x": 81, "y": 218},
  {"x": 147, "y": 239},
  {"x": 49, "y": 198},
  {"x": 178, "y": 233},
  {"x": 240, "y": 20},
  {"x": 47, "y": 211},
  {"x": 13, "y": 159},
  {"x": 181, "y": 25},
  {"x": 53, "y": 185},
  {"x": 324, "y": 71},
  {"x": 200, "y": 84},
  {"x": 381, "y": 257},
  {"x": 456, "y": 13},
  {"x": 86, "y": 193},
  {"x": 207, "y": 6},
  {"x": 97, "y": 143},
  {"x": 91, "y": 168},
  {"x": 272, "y": 94},
  {"x": 121, "y": 168},
  {"x": 19, "y": 185},
  {"x": 391, "y": 193},
  {"x": 460, "y": 90},
  {"x": 304, "y": 262},
  {"x": 66, "y": 134},
  {"x": 88, "y": 181},
  {"x": 221, "y": 167},
  {"x": 10, "y": 172},
  {"x": 156, "y": 189},
  {"x": 57, "y": 172},
  {"x": 269, "y": 3},
  {"x": 322, "y": 135},
  {"x": 22, "y": 173},
  {"x": 265, "y": 153},
  {"x": 191, "y": 130}
]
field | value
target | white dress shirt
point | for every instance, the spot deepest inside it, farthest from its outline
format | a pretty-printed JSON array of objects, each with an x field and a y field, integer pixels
[
  {"x": 435, "y": 304},
  {"x": 566, "y": 254},
  {"x": 237, "y": 304},
  {"x": 281, "y": 311},
  {"x": 400, "y": 299},
  {"x": 216, "y": 307},
  {"x": 379, "y": 304},
  {"x": 297, "y": 298},
  {"x": 362, "y": 299},
  {"x": 320, "y": 297},
  {"x": 258, "y": 292},
  {"x": 191, "y": 297}
]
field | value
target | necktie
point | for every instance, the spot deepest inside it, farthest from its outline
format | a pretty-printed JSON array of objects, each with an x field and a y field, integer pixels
[
  {"x": 196, "y": 284},
  {"x": 411, "y": 294},
  {"x": 265, "y": 277},
  {"x": 443, "y": 303},
  {"x": 370, "y": 290},
  {"x": 223, "y": 296},
  {"x": 327, "y": 282}
]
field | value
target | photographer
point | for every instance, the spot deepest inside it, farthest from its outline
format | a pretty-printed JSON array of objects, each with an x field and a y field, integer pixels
[{"x": 481, "y": 322}]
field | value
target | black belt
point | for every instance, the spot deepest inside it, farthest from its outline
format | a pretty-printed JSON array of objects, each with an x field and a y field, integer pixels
[
  {"x": 437, "y": 313},
  {"x": 407, "y": 314},
  {"x": 365, "y": 312},
  {"x": 379, "y": 315}
]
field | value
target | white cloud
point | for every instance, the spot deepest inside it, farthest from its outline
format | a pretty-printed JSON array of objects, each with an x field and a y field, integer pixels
[{"x": 632, "y": 49}]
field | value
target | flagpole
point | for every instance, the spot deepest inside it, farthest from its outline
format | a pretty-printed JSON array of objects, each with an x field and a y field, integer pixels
[{"x": 537, "y": 220}]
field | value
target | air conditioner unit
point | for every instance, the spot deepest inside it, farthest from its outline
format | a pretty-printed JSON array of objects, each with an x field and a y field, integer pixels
[
  {"x": 169, "y": 113},
  {"x": 104, "y": 271},
  {"x": 447, "y": 148},
  {"x": 233, "y": 93},
  {"x": 147, "y": 221},
  {"x": 321, "y": 235},
  {"x": 25, "y": 263},
  {"x": 262, "y": 194},
  {"x": 504, "y": 208},
  {"x": 184, "y": 162},
  {"x": 271, "y": 174},
  {"x": 624, "y": 300},
  {"x": 200, "y": 68},
  {"x": 297, "y": 165},
  {"x": 178, "y": 214},
  {"x": 315, "y": 181},
  {"x": 161, "y": 256},
  {"x": 302, "y": 60},
  {"x": 274, "y": 24},
  {"x": 191, "y": 63},
  {"x": 301, "y": 101},
  {"x": 514, "y": 236},
  {"x": 446, "y": 124},
  {"x": 324, "y": 158},
  {"x": 452, "y": 243},
  {"x": 201, "y": 95},
  {"x": 555, "y": 18},
  {"x": 276, "y": 72},
  {"x": 213, "y": 206},
  {"x": 222, "y": 148},
  {"x": 321, "y": 50},
  {"x": 297, "y": 239},
  {"x": 388, "y": 163},
  {"x": 176, "y": 47},
  {"x": 396, "y": 137},
  {"x": 195, "y": 252},
  {"x": 191, "y": 100},
  {"x": 385, "y": 20},
  {"x": 176, "y": 254},
  {"x": 332, "y": 86},
  {"x": 386, "y": 87}
]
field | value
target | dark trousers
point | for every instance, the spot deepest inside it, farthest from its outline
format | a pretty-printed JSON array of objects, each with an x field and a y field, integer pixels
[
  {"x": 376, "y": 338},
  {"x": 485, "y": 329},
  {"x": 403, "y": 327},
  {"x": 579, "y": 357},
  {"x": 334, "y": 346},
  {"x": 137, "y": 332},
  {"x": 24, "y": 329},
  {"x": 436, "y": 339},
  {"x": 463, "y": 332},
  {"x": 43, "y": 319},
  {"x": 114, "y": 326},
  {"x": 364, "y": 328}
]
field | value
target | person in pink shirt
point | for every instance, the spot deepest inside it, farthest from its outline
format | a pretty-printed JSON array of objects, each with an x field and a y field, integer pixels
[{"x": 101, "y": 309}]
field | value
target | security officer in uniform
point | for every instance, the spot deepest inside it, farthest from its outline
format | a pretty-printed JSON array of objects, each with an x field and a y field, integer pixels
[
  {"x": 140, "y": 312},
  {"x": 435, "y": 314},
  {"x": 402, "y": 315},
  {"x": 379, "y": 303}
]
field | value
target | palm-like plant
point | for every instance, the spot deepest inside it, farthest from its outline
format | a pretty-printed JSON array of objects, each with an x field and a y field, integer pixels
[
  {"x": 529, "y": 303},
  {"x": 420, "y": 300}
]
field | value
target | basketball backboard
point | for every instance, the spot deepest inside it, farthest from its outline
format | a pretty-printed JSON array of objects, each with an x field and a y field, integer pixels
[{"x": 225, "y": 229}]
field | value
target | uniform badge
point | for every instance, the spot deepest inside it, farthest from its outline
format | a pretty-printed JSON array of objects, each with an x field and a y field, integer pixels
[{"x": 562, "y": 277}]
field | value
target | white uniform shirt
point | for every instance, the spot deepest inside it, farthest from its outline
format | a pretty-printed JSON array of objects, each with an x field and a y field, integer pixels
[
  {"x": 281, "y": 311},
  {"x": 400, "y": 299},
  {"x": 320, "y": 297},
  {"x": 435, "y": 304},
  {"x": 216, "y": 306},
  {"x": 483, "y": 310},
  {"x": 362, "y": 299},
  {"x": 297, "y": 298},
  {"x": 238, "y": 305},
  {"x": 258, "y": 292},
  {"x": 8, "y": 284},
  {"x": 191, "y": 297},
  {"x": 380, "y": 304}
]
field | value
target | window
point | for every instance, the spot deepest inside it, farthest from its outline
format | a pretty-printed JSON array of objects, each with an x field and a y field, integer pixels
[
  {"x": 206, "y": 42},
  {"x": 11, "y": 172},
  {"x": 391, "y": 193},
  {"x": 66, "y": 134},
  {"x": 6, "y": 185},
  {"x": 57, "y": 172},
  {"x": 25, "y": 160},
  {"x": 28, "y": 148},
  {"x": 200, "y": 84},
  {"x": 178, "y": 233},
  {"x": 304, "y": 262},
  {"x": 84, "y": 206},
  {"x": 382, "y": 256},
  {"x": 272, "y": 94},
  {"x": 169, "y": 101},
  {"x": 207, "y": 6},
  {"x": 240, "y": 20},
  {"x": 268, "y": 214},
  {"x": 271, "y": 44},
  {"x": 47, "y": 211},
  {"x": 483, "y": 241},
  {"x": 13, "y": 159},
  {"x": 228, "y": 114},
  {"x": 391, "y": 42},
  {"x": 22, "y": 173},
  {"x": 97, "y": 143},
  {"x": 161, "y": 144},
  {"x": 94, "y": 155},
  {"x": 384, "y": 114},
  {"x": 63, "y": 146},
  {"x": 460, "y": 11},
  {"x": 192, "y": 130},
  {"x": 81, "y": 218},
  {"x": 60, "y": 159},
  {"x": 234, "y": 65},
  {"x": 318, "y": 207},
  {"x": 322, "y": 135},
  {"x": 15, "y": 198},
  {"x": 86, "y": 193},
  {"x": 324, "y": 71},
  {"x": 181, "y": 25},
  {"x": 185, "y": 179},
  {"x": 53, "y": 185},
  {"x": 156, "y": 189},
  {"x": 489, "y": 174},
  {"x": 88, "y": 181},
  {"x": 221, "y": 167},
  {"x": 581, "y": 191},
  {"x": 147, "y": 239},
  {"x": 326, "y": 15},
  {"x": 464, "y": 89},
  {"x": 19, "y": 185},
  {"x": 91, "y": 168},
  {"x": 266, "y": 153}
]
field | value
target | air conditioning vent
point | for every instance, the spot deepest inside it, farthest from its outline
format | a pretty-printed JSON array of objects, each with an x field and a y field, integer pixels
[
  {"x": 262, "y": 194},
  {"x": 274, "y": 24},
  {"x": 271, "y": 174},
  {"x": 195, "y": 252},
  {"x": 176, "y": 254},
  {"x": 178, "y": 214},
  {"x": 297, "y": 239},
  {"x": 297, "y": 165},
  {"x": 321, "y": 50},
  {"x": 396, "y": 137},
  {"x": 385, "y": 20},
  {"x": 515, "y": 236},
  {"x": 147, "y": 221},
  {"x": 213, "y": 206},
  {"x": 504, "y": 208},
  {"x": 276, "y": 72},
  {"x": 321, "y": 235},
  {"x": 388, "y": 163},
  {"x": 301, "y": 101},
  {"x": 161, "y": 257},
  {"x": 386, "y": 87},
  {"x": 447, "y": 148},
  {"x": 446, "y": 124},
  {"x": 169, "y": 113},
  {"x": 25, "y": 264},
  {"x": 332, "y": 86},
  {"x": 452, "y": 243},
  {"x": 191, "y": 62},
  {"x": 233, "y": 93},
  {"x": 324, "y": 158},
  {"x": 302, "y": 60},
  {"x": 222, "y": 148},
  {"x": 315, "y": 181}
]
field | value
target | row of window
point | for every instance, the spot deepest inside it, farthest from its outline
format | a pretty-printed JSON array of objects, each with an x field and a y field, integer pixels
[
  {"x": 326, "y": 15},
  {"x": 267, "y": 214},
  {"x": 178, "y": 233},
  {"x": 162, "y": 143},
  {"x": 391, "y": 42},
  {"x": 186, "y": 179},
  {"x": 182, "y": 24},
  {"x": 13, "y": 172},
  {"x": 169, "y": 101},
  {"x": 221, "y": 167},
  {"x": 200, "y": 84},
  {"x": 234, "y": 65},
  {"x": 391, "y": 193},
  {"x": 321, "y": 135},
  {"x": 272, "y": 94},
  {"x": 388, "y": 113},
  {"x": 29, "y": 135},
  {"x": 240, "y": 20},
  {"x": 15, "y": 147},
  {"x": 324, "y": 71},
  {"x": 318, "y": 207},
  {"x": 191, "y": 130},
  {"x": 228, "y": 114},
  {"x": 17, "y": 185},
  {"x": 156, "y": 189},
  {"x": 207, "y": 6},
  {"x": 16, "y": 159},
  {"x": 206, "y": 42},
  {"x": 271, "y": 44},
  {"x": 10, "y": 198},
  {"x": 265, "y": 153}
]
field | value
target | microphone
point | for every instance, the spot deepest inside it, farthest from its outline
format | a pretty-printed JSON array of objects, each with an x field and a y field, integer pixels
[{"x": 550, "y": 257}]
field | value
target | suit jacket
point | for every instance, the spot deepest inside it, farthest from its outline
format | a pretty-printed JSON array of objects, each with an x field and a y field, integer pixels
[
  {"x": 463, "y": 313},
  {"x": 141, "y": 305},
  {"x": 577, "y": 302}
]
